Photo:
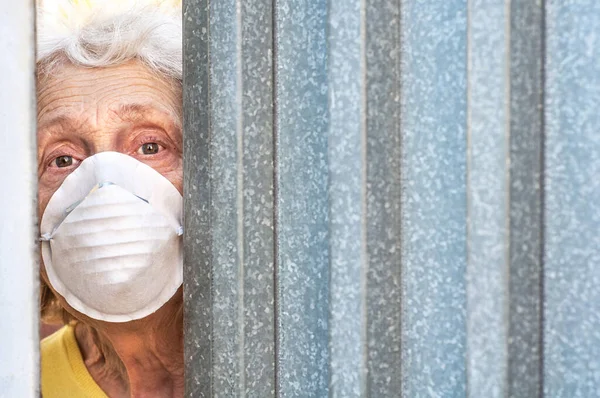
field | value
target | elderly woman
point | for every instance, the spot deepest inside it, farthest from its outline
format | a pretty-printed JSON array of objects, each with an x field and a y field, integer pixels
[{"x": 110, "y": 184}]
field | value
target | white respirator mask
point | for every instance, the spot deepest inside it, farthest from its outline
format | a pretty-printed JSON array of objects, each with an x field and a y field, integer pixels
[{"x": 111, "y": 238}]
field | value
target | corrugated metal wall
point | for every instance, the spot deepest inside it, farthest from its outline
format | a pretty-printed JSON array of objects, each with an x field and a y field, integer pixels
[
  {"x": 392, "y": 198},
  {"x": 383, "y": 198}
]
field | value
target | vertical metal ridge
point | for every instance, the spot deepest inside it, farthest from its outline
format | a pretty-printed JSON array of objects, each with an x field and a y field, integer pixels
[
  {"x": 381, "y": 194},
  {"x": 347, "y": 193},
  {"x": 468, "y": 154},
  {"x": 224, "y": 210},
  {"x": 433, "y": 197},
  {"x": 254, "y": 21},
  {"x": 542, "y": 182},
  {"x": 397, "y": 193},
  {"x": 507, "y": 184},
  {"x": 489, "y": 204},
  {"x": 302, "y": 120},
  {"x": 276, "y": 262},
  {"x": 240, "y": 195},
  {"x": 198, "y": 284},
  {"x": 524, "y": 196},
  {"x": 364, "y": 211},
  {"x": 210, "y": 195}
]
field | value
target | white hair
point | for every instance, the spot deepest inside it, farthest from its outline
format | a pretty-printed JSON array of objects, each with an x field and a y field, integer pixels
[{"x": 107, "y": 33}]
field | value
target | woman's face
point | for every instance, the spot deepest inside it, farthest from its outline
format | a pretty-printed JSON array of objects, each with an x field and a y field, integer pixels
[
  {"x": 126, "y": 108},
  {"x": 84, "y": 111}
]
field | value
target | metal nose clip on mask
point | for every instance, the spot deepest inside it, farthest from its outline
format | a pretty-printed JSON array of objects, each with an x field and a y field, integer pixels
[{"x": 111, "y": 238}]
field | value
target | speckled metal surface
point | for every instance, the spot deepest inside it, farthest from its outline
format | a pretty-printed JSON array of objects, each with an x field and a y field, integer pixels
[
  {"x": 226, "y": 251},
  {"x": 197, "y": 237},
  {"x": 383, "y": 279},
  {"x": 302, "y": 198},
  {"x": 230, "y": 329},
  {"x": 572, "y": 200},
  {"x": 434, "y": 257},
  {"x": 19, "y": 256},
  {"x": 365, "y": 218},
  {"x": 347, "y": 200},
  {"x": 504, "y": 198},
  {"x": 488, "y": 135},
  {"x": 256, "y": 75},
  {"x": 526, "y": 112}
]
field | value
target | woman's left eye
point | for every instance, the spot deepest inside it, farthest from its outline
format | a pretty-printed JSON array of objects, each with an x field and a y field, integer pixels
[
  {"x": 63, "y": 161},
  {"x": 149, "y": 148}
]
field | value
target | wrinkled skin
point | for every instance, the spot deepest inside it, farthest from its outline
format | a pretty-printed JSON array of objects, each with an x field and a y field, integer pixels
[{"x": 127, "y": 109}]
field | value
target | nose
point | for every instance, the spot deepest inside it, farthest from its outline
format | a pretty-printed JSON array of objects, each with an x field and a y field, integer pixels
[{"x": 105, "y": 141}]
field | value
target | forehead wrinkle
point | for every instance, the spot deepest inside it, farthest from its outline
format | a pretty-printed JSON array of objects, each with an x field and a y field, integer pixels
[{"x": 86, "y": 89}]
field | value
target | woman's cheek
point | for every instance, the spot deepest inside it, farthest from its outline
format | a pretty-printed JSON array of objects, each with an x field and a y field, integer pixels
[
  {"x": 45, "y": 192},
  {"x": 176, "y": 178},
  {"x": 170, "y": 165},
  {"x": 48, "y": 183}
]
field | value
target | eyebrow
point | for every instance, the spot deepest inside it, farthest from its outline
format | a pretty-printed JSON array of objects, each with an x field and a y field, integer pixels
[
  {"x": 64, "y": 121},
  {"x": 133, "y": 113},
  {"x": 138, "y": 112}
]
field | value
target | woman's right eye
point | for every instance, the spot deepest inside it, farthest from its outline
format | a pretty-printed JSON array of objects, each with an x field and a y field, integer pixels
[{"x": 63, "y": 161}]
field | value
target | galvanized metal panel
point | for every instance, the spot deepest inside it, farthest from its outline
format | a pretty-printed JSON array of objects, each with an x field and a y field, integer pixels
[
  {"x": 255, "y": 75},
  {"x": 225, "y": 210},
  {"x": 197, "y": 237},
  {"x": 571, "y": 199},
  {"x": 229, "y": 188},
  {"x": 433, "y": 103},
  {"x": 487, "y": 196},
  {"x": 504, "y": 197},
  {"x": 302, "y": 203},
  {"x": 526, "y": 113},
  {"x": 470, "y": 261},
  {"x": 383, "y": 158},
  {"x": 504, "y": 235},
  {"x": 347, "y": 200},
  {"x": 19, "y": 289}
]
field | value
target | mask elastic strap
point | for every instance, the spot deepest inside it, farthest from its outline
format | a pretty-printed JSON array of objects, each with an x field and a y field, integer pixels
[
  {"x": 45, "y": 237},
  {"x": 180, "y": 231}
]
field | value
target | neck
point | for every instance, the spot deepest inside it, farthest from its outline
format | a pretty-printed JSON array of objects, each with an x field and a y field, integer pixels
[{"x": 149, "y": 351}]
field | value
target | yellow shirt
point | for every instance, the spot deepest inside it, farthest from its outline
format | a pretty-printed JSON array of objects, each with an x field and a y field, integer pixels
[{"x": 64, "y": 374}]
